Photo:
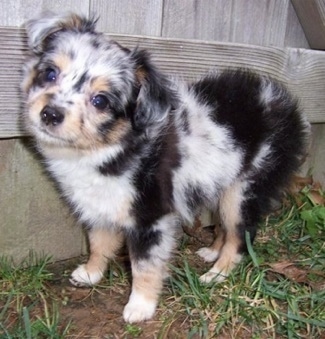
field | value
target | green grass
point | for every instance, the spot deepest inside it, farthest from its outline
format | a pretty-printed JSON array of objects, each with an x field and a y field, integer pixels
[
  {"x": 278, "y": 290},
  {"x": 256, "y": 300},
  {"x": 25, "y": 312},
  {"x": 133, "y": 330}
]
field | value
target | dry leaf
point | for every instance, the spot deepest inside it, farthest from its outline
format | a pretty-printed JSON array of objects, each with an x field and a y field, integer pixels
[
  {"x": 316, "y": 197},
  {"x": 290, "y": 271},
  {"x": 298, "y": 183}
]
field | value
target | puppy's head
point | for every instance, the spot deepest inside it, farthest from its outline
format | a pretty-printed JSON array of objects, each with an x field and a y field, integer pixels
[{"x": 84, "y": 90}]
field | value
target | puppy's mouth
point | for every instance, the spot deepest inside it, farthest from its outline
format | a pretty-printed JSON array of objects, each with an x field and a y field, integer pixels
[
  {"x": 44, "y": 134},
  {"x": 49, "y": 125},
  {"x": 51, "y": 134}
]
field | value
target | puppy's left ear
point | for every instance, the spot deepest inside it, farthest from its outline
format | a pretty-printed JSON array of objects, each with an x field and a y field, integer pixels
[
  {"x": 155, "y": 97},
  {"x": 44, "y": 27}
]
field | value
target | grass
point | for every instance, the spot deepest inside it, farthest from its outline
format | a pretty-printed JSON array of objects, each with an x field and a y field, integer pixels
[
  {"x": 25, "y": 312},
  {"x": 278, "y": 291},
  {"x": 250, "y": 302}
]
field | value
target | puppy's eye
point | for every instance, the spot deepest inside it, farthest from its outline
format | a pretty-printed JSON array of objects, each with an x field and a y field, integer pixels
[
  {"x": 99, "y": 101},
  {"x": 50, "y": 75}
]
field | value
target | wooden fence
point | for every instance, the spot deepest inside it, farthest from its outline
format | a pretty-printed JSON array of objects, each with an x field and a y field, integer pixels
[{"x": 186, "y": 38}]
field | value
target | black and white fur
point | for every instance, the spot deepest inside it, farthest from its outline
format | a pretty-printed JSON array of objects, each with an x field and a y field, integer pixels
[{"x": 136, "y": 154}]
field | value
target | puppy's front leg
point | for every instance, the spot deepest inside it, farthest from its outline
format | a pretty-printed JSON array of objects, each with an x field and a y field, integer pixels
[
  {"x": 103, "y": 245},
  {"x": 150, "y": 249},
  {"x": 147, "y": 282}
]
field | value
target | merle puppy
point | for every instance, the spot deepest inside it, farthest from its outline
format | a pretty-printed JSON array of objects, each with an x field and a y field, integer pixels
[{"x": 137, "y": 154}]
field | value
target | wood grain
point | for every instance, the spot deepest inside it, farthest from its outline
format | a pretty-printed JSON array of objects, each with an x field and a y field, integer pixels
[
  {"x": 15, "y": 13},
  {"x": 32, "y": 214},
  {"x": 316, "y": 159},
  {"x": 129, "y": 16},
  {"x": 260, "y": 22},
  {"x": 191, "y": 20},
  {"x": 294, "y": 35},
  {"x": 311, "y": 14},
  {"x": 257, "y": 22},
  {"x": 302, "y": 70}
]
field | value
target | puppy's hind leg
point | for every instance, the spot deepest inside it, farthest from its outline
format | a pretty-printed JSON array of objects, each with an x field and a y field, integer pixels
[
  {"x": 211, "y": 253},
  {"x": 103, "y": 245},
  {"x": 228, "y": 246}
]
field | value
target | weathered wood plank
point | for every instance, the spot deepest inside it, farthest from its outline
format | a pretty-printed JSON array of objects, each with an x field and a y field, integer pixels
[
  {"x": 15, "y": 13},
  {"x": 316, "y": 159},
  {"x": 11, "y": 60},
  {"x": 259, "y": 22},
  {"x": 311, "y": 14},
  {"x": 301, "y": 69},
  {"x": 32, "y": 215},
  {"x": 294, "y": 35},
  {"x": 129, "y": 16},
  {"x": 191, "y": 20},
  {"x": 268, "y": 22}
]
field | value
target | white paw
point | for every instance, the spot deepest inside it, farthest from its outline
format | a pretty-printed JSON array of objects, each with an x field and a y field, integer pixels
[
  {"x": 138, "y": 308},
  {"x": 221, "y": 269},
  {"x": 81, "y": 277},
  {"x": 207, "y": 254},
  {"x": 213, "y": 276}
]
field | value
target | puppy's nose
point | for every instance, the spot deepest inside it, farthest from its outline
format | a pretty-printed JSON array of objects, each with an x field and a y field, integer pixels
[{"x": 51, "y": 116}]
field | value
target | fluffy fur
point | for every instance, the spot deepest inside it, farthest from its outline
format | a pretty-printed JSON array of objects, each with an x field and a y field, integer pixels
[{"x": 136, "y": 154}]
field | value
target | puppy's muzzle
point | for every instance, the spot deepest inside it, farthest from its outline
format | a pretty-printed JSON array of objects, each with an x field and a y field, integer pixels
[{"x": 51, "y": 116}]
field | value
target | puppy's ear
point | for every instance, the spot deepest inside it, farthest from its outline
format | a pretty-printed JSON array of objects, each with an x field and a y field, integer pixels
[
  {"x": 41, "y": 29},
  {"x": 155, "y": 96}
]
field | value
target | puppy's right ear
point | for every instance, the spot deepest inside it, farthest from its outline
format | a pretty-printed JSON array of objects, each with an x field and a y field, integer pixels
[
  {"x": 155, "y": 97},
  {"x": 41, "y": 29}
]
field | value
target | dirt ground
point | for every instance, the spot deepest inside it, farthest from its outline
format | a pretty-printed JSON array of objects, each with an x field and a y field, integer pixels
[
  {"x": 97, "y": 312},
  {"x": 94, "y": 312}
]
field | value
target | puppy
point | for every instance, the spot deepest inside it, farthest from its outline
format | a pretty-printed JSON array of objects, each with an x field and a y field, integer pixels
[{"x": 136, "y": 154}]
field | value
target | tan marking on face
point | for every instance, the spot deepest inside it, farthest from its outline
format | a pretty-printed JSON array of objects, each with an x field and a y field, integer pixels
[
  {"x": 37, "y": 102},
  {"x": 99, "y": 84},
  {"x": 36, "y": 106},
  {"x": 104, "y": 243},
  {"x": 62, "y": 61},
  {"x": 119, "y": 130},
  {"x": 90, "y": 138},
  {"x": 80, "y": 128},
  {"x": 28, "y": 80}
]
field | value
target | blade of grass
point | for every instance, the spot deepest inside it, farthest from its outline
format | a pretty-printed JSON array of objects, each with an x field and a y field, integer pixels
[
  {"x": 27, "y": 323},
  {"x": 250, "y": 249}
]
